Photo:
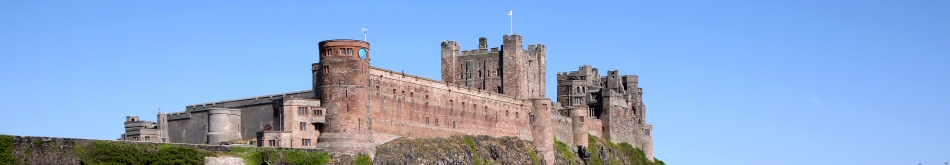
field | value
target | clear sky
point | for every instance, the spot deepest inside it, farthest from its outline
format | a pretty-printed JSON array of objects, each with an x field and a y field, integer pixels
[{"x": 733, "y": 82}]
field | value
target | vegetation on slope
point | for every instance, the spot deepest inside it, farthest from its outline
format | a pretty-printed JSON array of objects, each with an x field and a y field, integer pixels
[
  {"x": 605, "y": 152},
  {"x": 107, "y": 152},
  {"x": 565, "y": 152},
  {"x": 6, "y": 150},
  {"x": 460, "y": 149},
  {"x": 256, "y": 155}
]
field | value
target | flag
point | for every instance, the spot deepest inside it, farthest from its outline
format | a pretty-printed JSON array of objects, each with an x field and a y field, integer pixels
[
  {"x": 509, "y": 12},
  {"x": 365, "y": 31}
]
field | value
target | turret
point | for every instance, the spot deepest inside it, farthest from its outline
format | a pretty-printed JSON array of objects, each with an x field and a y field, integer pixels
[
  {"x": 541, "y": 52},
  {"x": 541, "y": 129},
  {"x": 223, "y": 125},
  {"x": 450, "y": 50},
  {"x": 344, "y": 74},
  {"x": 513, "y": 69}
]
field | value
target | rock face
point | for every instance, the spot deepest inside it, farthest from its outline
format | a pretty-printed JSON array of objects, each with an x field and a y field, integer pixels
[{"x": 458, "y": 150}]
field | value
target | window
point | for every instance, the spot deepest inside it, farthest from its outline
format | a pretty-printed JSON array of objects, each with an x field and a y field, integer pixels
[
  {"x": 647, "y": 132},
  {"x": 329, "y": 51},
  {"x": 148, "y": 139},
  {"x": 303, "y": 126},
  {"x": 318, "y": 112},
  {"x": 305, "y": 142},
  {"x": 303, "y": 111},
  {"x": 272, "y": 142},
  {"x": 532, "y": 118},
  {"x": 436, "y": 122},
  {"x": 427, "y": 120},
  {"x": 326, "y": 69},
  {"x": 453, "y": 124},
  {"x": 582, "y": 119}
]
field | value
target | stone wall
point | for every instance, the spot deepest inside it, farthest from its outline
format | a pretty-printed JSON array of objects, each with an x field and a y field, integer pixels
[
  {"x": 562, "y": 129},
  {"x": 411, "y": 106},
  {"x": 190, "y": 126}
]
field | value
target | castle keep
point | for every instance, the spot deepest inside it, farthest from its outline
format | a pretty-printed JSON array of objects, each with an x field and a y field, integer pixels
[{"x": 352, "y": 106}]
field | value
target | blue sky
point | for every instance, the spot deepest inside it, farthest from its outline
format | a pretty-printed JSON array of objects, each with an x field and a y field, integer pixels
[{"x": 734, "y": 82}]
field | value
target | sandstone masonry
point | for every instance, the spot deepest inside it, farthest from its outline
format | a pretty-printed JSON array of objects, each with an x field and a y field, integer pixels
[{"x": 354, "y": 107}]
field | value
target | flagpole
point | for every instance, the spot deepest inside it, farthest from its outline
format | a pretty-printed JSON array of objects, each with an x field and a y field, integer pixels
[
  {"x": 364, "y": 33},
  {"x": 512, "y": 23}
]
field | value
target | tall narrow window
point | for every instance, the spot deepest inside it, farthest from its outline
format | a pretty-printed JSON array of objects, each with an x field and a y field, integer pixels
[
  {"x": 303, "y": 126},
  {"x": 427, "y": 120},
  {"x": 326, "y": 69},
  {"x": 303, "y": 111},
  {"x": 532, "y": 118}
]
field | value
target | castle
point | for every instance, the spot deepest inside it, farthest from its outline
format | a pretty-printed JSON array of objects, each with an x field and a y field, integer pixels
[{"x": 353, "y": 106}]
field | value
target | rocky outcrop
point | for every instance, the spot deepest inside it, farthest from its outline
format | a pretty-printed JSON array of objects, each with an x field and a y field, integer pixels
[{"x": 461, "y": 150}]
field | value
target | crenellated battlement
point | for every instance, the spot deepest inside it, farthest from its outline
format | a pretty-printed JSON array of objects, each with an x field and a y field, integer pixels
[
  {"x": 441, "y": 85},
  {"x": 353, "y": 106},
  {"x": 265, "y": 99}
]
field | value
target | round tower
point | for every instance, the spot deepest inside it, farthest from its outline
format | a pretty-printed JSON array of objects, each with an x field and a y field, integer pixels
[
  {"x": 344, "y": 75},
  {"x": 223, "y": 125}
]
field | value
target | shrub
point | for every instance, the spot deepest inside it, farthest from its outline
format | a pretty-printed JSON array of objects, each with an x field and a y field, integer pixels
[
  {"x": 106, "y": 152},
  {"x": 363, "y": 159},
  {"x": 6, "y": 150},
  {"x": 175, "y": 154},
  {"x": 660, "y": 162},
  {"x": 312, "y": 158}
]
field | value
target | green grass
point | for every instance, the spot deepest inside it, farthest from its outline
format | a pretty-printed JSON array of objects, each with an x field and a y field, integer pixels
[
  {"x": 253, "y": 155},
  {"x": 534, "y": 156},
  {"x": 594, "y": 151},
  {"x": 471, "y": 146},
  {"x": 564, "y": 149},
  {"x": 636, "y": 155}
]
